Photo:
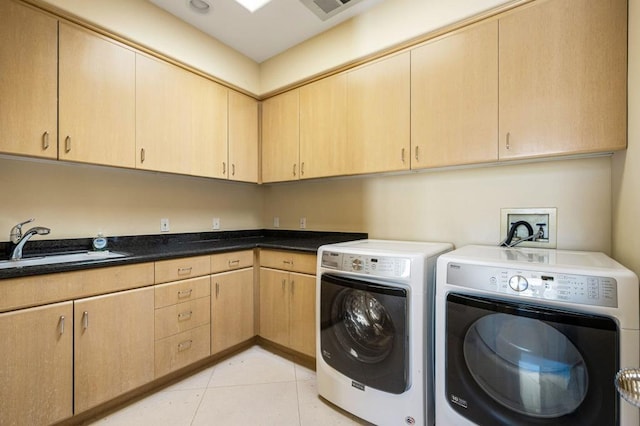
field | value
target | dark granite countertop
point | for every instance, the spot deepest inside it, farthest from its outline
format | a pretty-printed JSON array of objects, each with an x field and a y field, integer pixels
[{"x": 149, "y": 248}]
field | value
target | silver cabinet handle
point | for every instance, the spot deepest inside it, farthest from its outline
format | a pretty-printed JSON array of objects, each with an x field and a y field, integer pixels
[
  {"x": 293, "y": 284},
  {"x": 217, "y": 289},
  {"x": 185, "y": 315},
  {"x": 284, "y": 283},
  {"x": 417, "y": 156},
  {"x": 224, "y": 168},
  {"x": 184, "y": 345},
  {"x": 45, "y": 140},
  {"x": 184, "y": 293},
  {"x": 67, "y": 144},
  {"x": 233, "y": 169},
  {"x": 288, "y": 262},
  {"x": 402, "y": 155},
  {"x": 294, "y": 169},
  {"x": 61, "y": 324},
  {"x": 508, "y": 140},
  {"x": 184, "y": 271},
  {"x": 234, "y": 262},
  {"x": 302, "y": 169},
  {"x": 85, "y": 320},
  {"x": 142, "y": 156}
]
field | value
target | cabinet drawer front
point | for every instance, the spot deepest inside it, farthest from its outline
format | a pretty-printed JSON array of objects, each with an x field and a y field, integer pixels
[
  {"x": 288, "y": 261},
  {"x": 182, "y": 349},
  {"x": 230, "y": 261},
  {"x": 174, "y": 319},
  {"x": 180, "y": 269},
  {"x": 182, "y": 291}
]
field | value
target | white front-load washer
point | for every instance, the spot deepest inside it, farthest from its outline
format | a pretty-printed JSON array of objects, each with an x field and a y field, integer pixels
[
  {"x": 533, "y": 337},
  {"x": 374, "y": 329}
]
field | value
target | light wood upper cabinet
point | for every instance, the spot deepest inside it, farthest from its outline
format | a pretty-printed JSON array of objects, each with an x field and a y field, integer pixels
[
  {"x": 113, "y": 346},
  {"x": 280, "y": 137},
  {"x": 36, "y": 365},
  {"x": 324, "y": 150},
  {"x": 163, "y": 117},
  {"x": 378, "y": 115},
  {"x": 28, "y": 87},
  {"x": 208, "y": 147},
  {"x": 243, "y": 137},
  {"x": 454, "y": 98},
  {"x": 232, "y": 309},
  {"x": 563, "y": 76},
  {"x": 97, "y": 99}
]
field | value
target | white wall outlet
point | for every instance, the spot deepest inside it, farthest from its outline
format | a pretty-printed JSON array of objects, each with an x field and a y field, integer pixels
[
  {"x": 303, "y": 223},
  {"x": 276, "y": 222},
  {"x": 541, "y": 220},
  {"x": 164, "y": 225},
  {"x": 216, "y": 223}
]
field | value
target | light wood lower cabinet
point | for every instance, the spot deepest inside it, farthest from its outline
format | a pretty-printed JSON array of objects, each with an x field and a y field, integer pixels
[
  {"x": 232, "y": 308},
  {"x": 287, "y": 309},
  {"x": 36, "y": 365},
  {"x": 114, "y": 345}
]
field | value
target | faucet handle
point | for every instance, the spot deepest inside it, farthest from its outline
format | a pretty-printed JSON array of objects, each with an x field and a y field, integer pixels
[{"x": 16, "y": 231}]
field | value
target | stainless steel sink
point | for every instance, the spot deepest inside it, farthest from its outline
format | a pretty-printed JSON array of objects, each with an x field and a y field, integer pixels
[{"x": 60, "y": 258}]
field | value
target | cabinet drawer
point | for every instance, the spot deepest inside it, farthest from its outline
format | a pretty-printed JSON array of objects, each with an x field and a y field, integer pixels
[
  {"x": 182, "y": 349},
  {"x": 182, "y": 291},
  {"x": 230, "y": 261},
  {"x": 180, "y": 269},
  {"x": 288, "y": 261},
  {"x": 174, "y": 319}
]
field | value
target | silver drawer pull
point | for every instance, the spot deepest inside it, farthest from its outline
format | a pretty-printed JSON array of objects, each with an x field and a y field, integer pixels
[
  {"x": 288, "y": 262},
  {"x": 234, "y": 262},
  {"x": 61, "y": 324},
  {"x": 184, "y": 315},
  {"x": 183, "y": 346},
  {"x": 184, "y": 293},
  {"x": 184, "y": 271},
  {"x": 85, "y": 320}
]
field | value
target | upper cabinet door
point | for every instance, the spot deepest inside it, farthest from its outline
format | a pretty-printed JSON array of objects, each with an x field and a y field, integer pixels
[
  {"x": 378, "y": 115},
  {"x": 209, "y": 153},
  {"x": 163, "y": 116},
  {"x": 28, "y": 86},
  {"x": 97, "y": 99},
  {"x": 324, "y": 150},
  {"x": 280, "y": 138},
  {"x": 563, "y": 77},
  {"x": 243, "y": 137},
  {"x": 454, "y": 99}
]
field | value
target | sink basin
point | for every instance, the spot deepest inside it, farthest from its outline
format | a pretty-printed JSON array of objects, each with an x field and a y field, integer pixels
[{"x": 60, "y": 258}]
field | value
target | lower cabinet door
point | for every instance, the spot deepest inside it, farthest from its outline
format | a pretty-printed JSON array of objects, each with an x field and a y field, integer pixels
[
  {"x": 274, "y": 306},
  {"x": 302, "y": 336},
  {"x": 182, "y": 349},
  {"x": 114, "y": 345},
  {"x": 232, "y": 319},
  {"x": 36, "y": 365}
]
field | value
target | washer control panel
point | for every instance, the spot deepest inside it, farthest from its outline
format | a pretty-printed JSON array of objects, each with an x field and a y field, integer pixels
[
  {"x": 573, "y": 288},
  {"x": 382, "y": 266}
]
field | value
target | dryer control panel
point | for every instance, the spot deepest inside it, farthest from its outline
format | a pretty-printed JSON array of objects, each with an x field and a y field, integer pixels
[
  {"x": 382, "y": 266},
  {"x": 580, "y": 289}
]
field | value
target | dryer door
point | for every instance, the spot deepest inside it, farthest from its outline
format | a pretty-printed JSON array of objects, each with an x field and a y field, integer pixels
[
  {"x": 363, "y": 332},
  {"x": 519, "y": 364}
]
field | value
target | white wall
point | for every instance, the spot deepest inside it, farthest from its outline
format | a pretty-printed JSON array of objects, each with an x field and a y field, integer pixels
[
  {"x": 78, "y": 201},
  {"x": 626, "y": 165}
]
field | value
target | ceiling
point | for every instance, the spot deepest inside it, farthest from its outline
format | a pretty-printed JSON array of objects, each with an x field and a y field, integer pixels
[{"x": 272, "y": 29}]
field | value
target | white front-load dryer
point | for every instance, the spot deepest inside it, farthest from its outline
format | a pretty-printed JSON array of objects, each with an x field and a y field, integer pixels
[
  {"x": 375, "y": 329},
  {"x": 533, "y": 337}
]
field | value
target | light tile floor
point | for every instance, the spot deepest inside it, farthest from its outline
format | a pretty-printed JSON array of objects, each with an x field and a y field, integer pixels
[{"x": 254, "y": 387}]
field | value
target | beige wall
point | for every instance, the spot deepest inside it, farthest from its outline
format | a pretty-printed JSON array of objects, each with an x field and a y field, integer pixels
[
  {"x": 457, "y": 206},
  {"x": 626, "y": 166},
  {"x": 78, "y": 201},
  {"x": 143, "y": 22}
]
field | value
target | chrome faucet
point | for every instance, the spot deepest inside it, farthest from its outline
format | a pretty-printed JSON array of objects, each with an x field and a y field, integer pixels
[{"x": 20, "y": 240}]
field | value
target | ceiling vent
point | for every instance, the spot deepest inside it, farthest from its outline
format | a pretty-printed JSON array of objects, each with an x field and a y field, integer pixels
[{"x": 325, "y": 9}]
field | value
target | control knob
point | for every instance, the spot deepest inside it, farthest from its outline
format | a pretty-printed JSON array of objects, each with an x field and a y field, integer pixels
[
  {"x": 356, "y": 265},
  {"x": 518, "y": 283}
]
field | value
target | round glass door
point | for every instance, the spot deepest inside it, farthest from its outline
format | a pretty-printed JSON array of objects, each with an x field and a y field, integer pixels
[
  {"x": 526, "y": 365},
  {"x": 367, "y": 331}
]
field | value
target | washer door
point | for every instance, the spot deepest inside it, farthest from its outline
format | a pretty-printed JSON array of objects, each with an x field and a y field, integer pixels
[
  {"x": 363, "y": 332},
  {"x": 517, "y": 364}
]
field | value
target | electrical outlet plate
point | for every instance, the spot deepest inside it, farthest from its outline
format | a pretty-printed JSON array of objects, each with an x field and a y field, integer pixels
[
  {"x": 303, "y": 222},
  {"x": 164, "y": 225},
  {"x": 276, "y": 222},
  {"x": 216, "y": 223},
  {"x": 536, "y": 217}
]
